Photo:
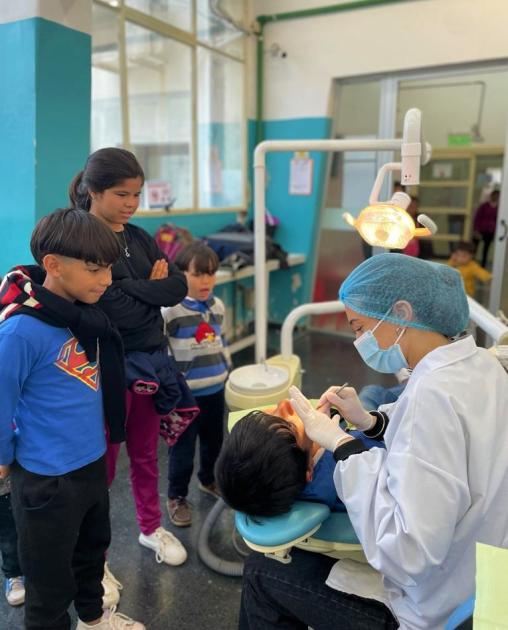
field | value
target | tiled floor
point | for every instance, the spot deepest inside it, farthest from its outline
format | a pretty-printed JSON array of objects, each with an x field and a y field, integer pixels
[{"x": 192, "y": 597}]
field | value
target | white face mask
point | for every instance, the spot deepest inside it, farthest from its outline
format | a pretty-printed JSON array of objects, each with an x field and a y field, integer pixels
[{"x": 387, "y": 361}]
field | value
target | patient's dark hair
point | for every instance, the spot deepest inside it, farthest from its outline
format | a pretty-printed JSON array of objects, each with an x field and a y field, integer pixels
[
  {"x": 261, "y": 469},
  {"x": 76, "y": 234}
]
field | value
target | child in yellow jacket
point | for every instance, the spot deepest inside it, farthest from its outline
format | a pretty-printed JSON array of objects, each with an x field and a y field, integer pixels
[{"x": 470, "y": 270}]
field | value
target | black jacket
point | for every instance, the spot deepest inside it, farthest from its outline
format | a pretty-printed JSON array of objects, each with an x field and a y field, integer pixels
[{"x": 133, "y": 302}]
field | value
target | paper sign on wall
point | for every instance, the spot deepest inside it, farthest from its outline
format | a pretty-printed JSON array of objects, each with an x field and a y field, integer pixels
[
  {"x": 158, "y": 193},
  {"x": 300, "y": 175},
  {"x": 442, "y": 170}
]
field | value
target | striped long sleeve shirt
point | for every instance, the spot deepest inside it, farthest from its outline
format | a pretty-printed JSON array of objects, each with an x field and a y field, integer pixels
[{"x": 194, "y": 332}]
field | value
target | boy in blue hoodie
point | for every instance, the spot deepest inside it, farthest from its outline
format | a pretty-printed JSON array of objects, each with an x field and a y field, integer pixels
[{"x": 62, "y": 374}]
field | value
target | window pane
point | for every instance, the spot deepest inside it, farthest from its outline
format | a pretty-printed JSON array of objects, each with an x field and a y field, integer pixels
[
  {"x": 221, "y": 137},
  {"x": 106, "y": 106},
  {"x": 215, "y": 30},
  {"x": 175, "y": 12},
  {"x": 351, "y": 173},
  {"x": 160, "y": 109}
]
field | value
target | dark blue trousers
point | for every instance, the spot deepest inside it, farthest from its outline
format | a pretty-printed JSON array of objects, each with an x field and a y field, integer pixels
[
  {"x": 294, "y": 596},
  {"x": 8, "y": 539},
  {"x": 209, "y": 427}
]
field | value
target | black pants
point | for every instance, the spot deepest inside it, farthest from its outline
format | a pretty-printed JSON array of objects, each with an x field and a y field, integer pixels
[
  {"x": 294, "y": 596},
  {"x": 487, "y": 241},
  {"x": 8, "y": 539},
  {"x": 209, "y": 426},
  {"x": 63, "y": 533}
]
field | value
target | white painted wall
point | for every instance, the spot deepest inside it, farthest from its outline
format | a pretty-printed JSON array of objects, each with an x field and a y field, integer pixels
[
  {"x": 76, "y": 14},
  {"x": 404, "y": 36}
]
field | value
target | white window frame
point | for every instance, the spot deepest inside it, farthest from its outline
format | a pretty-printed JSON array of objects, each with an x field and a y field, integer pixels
[{"x": 128, "y": 14}]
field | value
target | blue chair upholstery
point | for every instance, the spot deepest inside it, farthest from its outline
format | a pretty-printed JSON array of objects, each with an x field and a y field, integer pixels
[
  {"x": 272, "y": 531},
  {"x": 461, "y": 614},
  {"x": 337, "y": 529}
]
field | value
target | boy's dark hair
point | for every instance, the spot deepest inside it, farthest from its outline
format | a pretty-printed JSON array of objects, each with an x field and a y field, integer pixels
[
  {"x": 76, "y": 234},
  {"x": 465, "y": 246},
  {"x": 494, "y": 194},
  {"x": 204, "y": 258},
  {"x": 261, "y": 469},
  {"x": 104, "y": 169}
]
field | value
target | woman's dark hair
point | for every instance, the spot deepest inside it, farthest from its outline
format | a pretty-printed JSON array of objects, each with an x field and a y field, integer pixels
[
  {"x": 204, "y": 258},
  {"x": 261, "y": 469},
  {"x": 104, "y": 169},
  {"x": 76, "y": 234}
]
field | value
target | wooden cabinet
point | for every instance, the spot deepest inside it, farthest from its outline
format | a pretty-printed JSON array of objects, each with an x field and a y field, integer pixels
[{"x": 450, "y": 189}]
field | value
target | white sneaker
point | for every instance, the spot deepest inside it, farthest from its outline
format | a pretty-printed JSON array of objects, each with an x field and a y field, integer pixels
[
  {"x": 167, "y": 547},
  {"x": 111, "y": 620},
  {"x": 15, "y": 590},
  {"x": 112, "y": 588}
]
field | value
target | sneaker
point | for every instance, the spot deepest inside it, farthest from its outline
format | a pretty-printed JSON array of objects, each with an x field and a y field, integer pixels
[
  {"x": 167, "y": 547},
  {"x": 111, "y": 620},
  {"x": 112, "y": 588},
  {"x": 15, "y": 590},
  {"x": 211, "y": 488},
  {"x": 179, "y": 512}
]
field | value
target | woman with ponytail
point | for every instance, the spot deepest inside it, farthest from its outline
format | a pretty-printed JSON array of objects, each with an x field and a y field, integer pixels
[{"x": 109, "y": 187}]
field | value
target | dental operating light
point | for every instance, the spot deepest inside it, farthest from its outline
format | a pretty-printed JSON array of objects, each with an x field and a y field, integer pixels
[{"x": 385, "y": 224}]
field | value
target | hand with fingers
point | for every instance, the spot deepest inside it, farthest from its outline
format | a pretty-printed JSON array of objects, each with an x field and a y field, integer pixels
[
  {"x": 348, "y": 404},
  {"x": 319, "y": 427},
  {"x": 4, "y": 472},
  {"x": 160, "y": 270}
]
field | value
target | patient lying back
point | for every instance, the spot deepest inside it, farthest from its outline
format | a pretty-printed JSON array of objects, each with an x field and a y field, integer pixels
[{"x": 268, "y": 462}]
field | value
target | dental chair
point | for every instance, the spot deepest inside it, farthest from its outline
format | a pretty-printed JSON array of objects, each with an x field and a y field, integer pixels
[{"x": 308, "y": 525}]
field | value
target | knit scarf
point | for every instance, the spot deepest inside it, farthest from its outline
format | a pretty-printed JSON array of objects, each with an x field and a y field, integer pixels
[{"x": 22, "y": 293}]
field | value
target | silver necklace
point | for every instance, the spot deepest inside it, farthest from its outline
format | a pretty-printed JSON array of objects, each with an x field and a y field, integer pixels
[{"x": 126, "y": 247}]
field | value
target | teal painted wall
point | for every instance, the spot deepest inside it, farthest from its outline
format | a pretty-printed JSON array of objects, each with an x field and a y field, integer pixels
[
  {"x": 198, "y": 224},
  {"x": 298, "y": 214},
  {"x": 17, "y": 138},
  {"x": 44, "y": 125},
  {"x": 63, "y": 87}
]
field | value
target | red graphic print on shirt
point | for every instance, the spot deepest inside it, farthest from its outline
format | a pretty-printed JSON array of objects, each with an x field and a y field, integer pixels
[
  {"x": 73, "y": 360},
  {"x": 204, "y": 333}
]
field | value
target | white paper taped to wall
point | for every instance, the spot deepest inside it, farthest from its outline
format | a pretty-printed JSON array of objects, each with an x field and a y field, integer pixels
[{"x": 300, "y": 176}]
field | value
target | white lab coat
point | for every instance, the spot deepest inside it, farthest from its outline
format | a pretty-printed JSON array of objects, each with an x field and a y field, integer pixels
[{"x": 419, "y": 507}]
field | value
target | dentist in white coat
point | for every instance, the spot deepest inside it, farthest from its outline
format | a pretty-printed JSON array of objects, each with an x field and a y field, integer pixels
[{"x": 441, "y": 485}]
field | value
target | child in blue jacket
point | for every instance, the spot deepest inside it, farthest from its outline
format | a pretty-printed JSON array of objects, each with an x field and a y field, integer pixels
[{"x": 62, "y": 374}]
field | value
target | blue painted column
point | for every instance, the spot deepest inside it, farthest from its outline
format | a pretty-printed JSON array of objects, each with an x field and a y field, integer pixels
[{"x": 45, "y": 70}]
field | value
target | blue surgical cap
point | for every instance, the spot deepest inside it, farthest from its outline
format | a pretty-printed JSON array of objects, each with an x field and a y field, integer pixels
[{"x": 435, "y": 291}]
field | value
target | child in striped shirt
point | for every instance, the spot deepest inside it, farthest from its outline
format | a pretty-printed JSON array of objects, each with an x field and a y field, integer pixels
[{"x": 195, "y": 335}]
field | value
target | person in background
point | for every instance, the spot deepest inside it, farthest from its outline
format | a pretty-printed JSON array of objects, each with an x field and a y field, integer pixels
[
  {"x": 469, "y": 269},
  {"x": 109, "y": 188},
  {"x": 62, "y": 374},
  {"x": 484, "y": 224},
  {"x": 413, "y": 247},
  {"x": 14, "y": 581},
  {"x": 194, "y": 329}
]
